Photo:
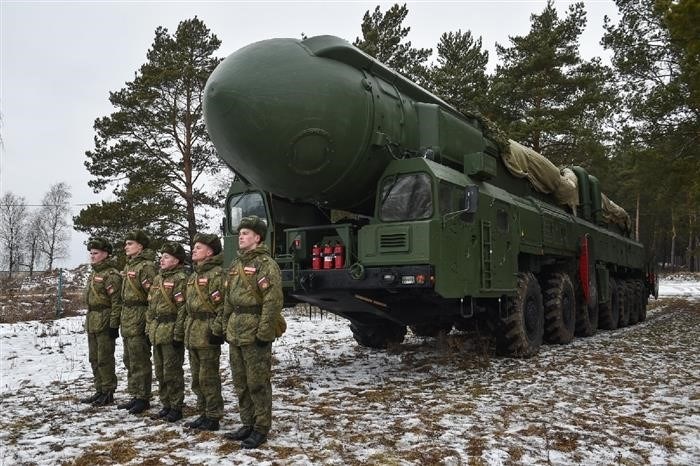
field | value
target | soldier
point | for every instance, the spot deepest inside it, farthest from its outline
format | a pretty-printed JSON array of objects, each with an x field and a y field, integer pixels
[
  {"x": 103, "y": 299},
  {"x": 252, "y": 310},
  {"x": 204, "y": 303},
  {"x": 165, "y": 321},
  {"x": 138, "y": 276}
]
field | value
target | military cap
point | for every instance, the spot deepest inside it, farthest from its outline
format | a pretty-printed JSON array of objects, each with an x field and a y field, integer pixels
[
  {"x": 174, "y": 250},
  {"x": 210, "y": 240},
  {"x": 97, "y": 242},
  {"x": 255, "y": 224},
  {"x": 139, "y": 236}
]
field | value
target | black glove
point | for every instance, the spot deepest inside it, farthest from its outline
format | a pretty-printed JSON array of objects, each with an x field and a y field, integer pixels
[
  {"x": 177, "y": 344},
  {"x": 216, "y": 339},
  {"x": 113, "y": 333},
  {"x": 260, "y": 343},
  {"x": 148, "y": 341}
]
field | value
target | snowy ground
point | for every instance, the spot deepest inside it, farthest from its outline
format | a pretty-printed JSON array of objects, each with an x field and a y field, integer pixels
[{"x": 626, "y": 397}]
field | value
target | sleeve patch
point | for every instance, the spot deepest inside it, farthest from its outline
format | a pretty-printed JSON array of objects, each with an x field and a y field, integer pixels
[
  {"x": 179, "y": 297},
  {"x": 168, "y": 284},
  {"x": 264, "y": 283},
  {"x": 99, "y": 279},
  {"x": 109, "y": 289},
  {"x": 216, "y": 296},
  {"x": 202, "y": 281},
  {"x": 146, "y": 284}
]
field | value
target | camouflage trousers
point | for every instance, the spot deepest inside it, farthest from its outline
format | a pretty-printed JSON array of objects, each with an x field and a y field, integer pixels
[
  {"x": 206, "y": 381},
  {"x": 101, "y": 355},
  {"x": 168, "y": 361},
  {"x": 137, "y": 360},
  {"x": 251, "y": 368}
]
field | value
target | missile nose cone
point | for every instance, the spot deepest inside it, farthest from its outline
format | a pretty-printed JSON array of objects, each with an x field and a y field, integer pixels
[{"x": 290, "y": 122}]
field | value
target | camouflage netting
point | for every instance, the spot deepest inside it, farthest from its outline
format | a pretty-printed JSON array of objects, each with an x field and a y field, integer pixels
[
  {"x": 613, "y": 213},
  {"x": 545, "y": 177},
  {"x": 524, "y": 162}
]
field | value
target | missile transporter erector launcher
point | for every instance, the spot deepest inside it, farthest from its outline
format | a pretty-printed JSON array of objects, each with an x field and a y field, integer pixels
[{"x": 390, "y": 208}]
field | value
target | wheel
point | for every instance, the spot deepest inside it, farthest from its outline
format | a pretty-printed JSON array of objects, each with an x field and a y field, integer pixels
[
  {"x": 559, "y": 309},
  {"x": 625, "y": 303},
  {"x": 609, "y": 313},
  {"x": 378, "y": 335},
  {"x": 586, "y": 313},
  {"x": 430, "y": 330},
  {"x": 521, "y": 332},
  {"x": 644, "y": 299},
  {"x": 635, "y": 301}
]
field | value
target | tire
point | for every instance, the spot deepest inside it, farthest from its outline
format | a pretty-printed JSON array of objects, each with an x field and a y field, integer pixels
[
  {"x": 430, "y": 330},
  {"x": 644, "y": 299},
  {"x": 625, "y": 303},
  {"x": 635, "y": 301},
  {"x": 586, "y": 314},
  {"x": 378, "y": 336},
  {"x": 521, "y": 332},
  {"x": 609, "y": 313},
  {"x": 559, "y": 309}
]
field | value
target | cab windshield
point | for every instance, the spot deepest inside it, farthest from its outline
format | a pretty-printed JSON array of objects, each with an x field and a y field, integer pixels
[
  {"x": 244, "y": 205},
  {"x": 406, "y": 197}
]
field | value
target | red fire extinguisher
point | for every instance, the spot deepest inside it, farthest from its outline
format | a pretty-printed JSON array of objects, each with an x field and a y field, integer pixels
[
  {"x": 339, "y": 255},
  {"x": 327, "y": 256},
  {"x": 316, "y": 257}
]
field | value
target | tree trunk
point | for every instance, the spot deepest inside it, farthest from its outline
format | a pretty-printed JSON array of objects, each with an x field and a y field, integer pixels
[
  {"x": 673, "y": 240},
  {"x": 636, "y": 219}
]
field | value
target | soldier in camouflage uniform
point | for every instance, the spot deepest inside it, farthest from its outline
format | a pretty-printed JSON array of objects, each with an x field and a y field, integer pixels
[
  {"x": 165, "y": 321},
  {"x": 103, "y": 299},
  {"x": 138, "y": 275},
  {"x": 205, "y": 288},
  {"x": 251, "y": 311}
]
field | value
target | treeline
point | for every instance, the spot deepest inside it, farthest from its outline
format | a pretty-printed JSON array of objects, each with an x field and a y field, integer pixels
[
  {"x": 634, "y": 124},
  {"x": 34, "y": 239}
]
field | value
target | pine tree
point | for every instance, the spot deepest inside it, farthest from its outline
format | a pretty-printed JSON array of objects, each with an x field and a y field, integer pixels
[
  {"x": 653, "y": 46},
  {"x": 460, "y": 74},
  {"x": 153, "y": 151},
  {"x": 545, "y": 96},
  {"x": 383, "y": 38}
]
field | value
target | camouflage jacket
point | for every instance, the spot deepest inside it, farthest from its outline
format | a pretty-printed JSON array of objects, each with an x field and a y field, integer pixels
[
  {"x": 103, "y": 297},
  {"x": 137, "y": 279},
  {"x": 254, "y": 280},
  {"x": 165, "y": 318},
  {"x": 205, "y": 287}
]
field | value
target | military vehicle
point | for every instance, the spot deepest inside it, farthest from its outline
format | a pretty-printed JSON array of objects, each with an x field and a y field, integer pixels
[{"x": 390, "y": 208}]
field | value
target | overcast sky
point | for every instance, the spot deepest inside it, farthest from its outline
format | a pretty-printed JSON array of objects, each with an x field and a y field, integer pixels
[{"x": 60, "y": 60}]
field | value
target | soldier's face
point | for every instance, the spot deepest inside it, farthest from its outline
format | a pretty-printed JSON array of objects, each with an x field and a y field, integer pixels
[
  {"x": 131, "y": 248},
  {"x": 97, "y": 255},
  {"x": 247, "y": 239},
  {"x": 201, "y": 252},
  {"x": 168, "y": 262}
]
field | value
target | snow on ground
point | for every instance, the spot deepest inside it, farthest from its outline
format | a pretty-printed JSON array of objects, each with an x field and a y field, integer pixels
[{"x": 631, "y": 396}]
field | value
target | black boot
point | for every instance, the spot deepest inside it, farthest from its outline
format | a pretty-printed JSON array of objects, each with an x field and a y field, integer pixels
[
  {"x": 174, "y": 415},
  {"x": 241, "y": 434},
  {"x": 162, "y": 413},
  {"x": 196, "y": 423},
  {"x": 209, "y": 424},
  {"x": 254, "y": 440},
  {"x": 139, "y": 406},
  {"x": 104, "y": 399},
  {"x": 127, "y": 405},
  {"x": 91, "y": 399}
]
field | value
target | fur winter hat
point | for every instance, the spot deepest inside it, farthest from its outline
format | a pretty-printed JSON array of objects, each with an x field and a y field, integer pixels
[
  {"x": 210, "y": 240},
  {"x": 174, "y": 250},
  {"x": 97, "y": 242},
  {"x": 255, "y": 224},
  {"x": 139, "y": 236}
]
